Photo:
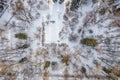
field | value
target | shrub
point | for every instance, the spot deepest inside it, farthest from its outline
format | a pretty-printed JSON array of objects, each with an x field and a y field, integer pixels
[
  {"x": 102, "y": 11},
  {"x": 89, "y": 42},
  {"x": 83, "y": 69},
  {"x": 115, "y": 71},
  {"x": 110, "y": 2},
  {"x": 65, "y": 59},
  {"x": 74, "y": 4},
  {"x": 47, "y": 64},
  {"x": 106, "y": 70},
  {"x": 116, "y": 10},
  {"x": 23, "y": 60},
  {"x": 90, "y": 31},
  {"x": 21, "y": 36}
]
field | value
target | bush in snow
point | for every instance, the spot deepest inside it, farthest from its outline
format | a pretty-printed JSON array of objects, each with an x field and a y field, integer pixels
[
  {"x": 90, "y": 31},
  {"x": 21, "y": 36},
  {"x": 110, "y": 2},
  {"x": 116, "y": 71},
  {"x": 106, "y": 70},
  {"x": 47, "y": 64},
  {"x": 102, "y": 11},
  {"x": 23, "y": 60},
  {"x": 89, "y": 42},
  {"x": 74, "y": 4},
  {"x": 116, "y": 10},
  {"x": 83, "y": 69},
  {"x": 65, "y": 59}
]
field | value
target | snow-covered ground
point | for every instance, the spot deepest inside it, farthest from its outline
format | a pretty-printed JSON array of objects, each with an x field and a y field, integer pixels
[{"x": 54, "y": 32}]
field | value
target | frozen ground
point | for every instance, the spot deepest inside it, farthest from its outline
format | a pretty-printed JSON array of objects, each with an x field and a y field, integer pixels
[{"x": 54, "y": 32}]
